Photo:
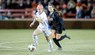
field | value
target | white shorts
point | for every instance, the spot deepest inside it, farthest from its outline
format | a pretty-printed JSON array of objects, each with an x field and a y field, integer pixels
[{"x": 46, "y": 31}]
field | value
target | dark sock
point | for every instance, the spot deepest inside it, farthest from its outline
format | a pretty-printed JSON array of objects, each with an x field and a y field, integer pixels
[
  {"x": 62, "y": 37},
  {"x": 57, "y": 42}
]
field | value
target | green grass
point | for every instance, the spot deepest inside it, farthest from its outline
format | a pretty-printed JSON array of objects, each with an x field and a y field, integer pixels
[{"x": 15, "y": 42}]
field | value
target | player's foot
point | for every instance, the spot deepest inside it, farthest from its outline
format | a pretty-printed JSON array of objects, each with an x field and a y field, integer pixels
[
  {"x": 50, "y": 50},
  {"x": 59, "y": 48},
  {"x": 68, "y": 37}
]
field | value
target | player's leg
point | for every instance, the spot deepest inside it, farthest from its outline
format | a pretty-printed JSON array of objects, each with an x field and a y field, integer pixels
[
  {"x": 66, "y": 35},
  {"x": 55, "y": 37},
  {"x": 47, "y": 34},
  {"x": 63, "y": 36},
  {"x": 35, "y": 37},
  {"x": 49, "y": 43}
]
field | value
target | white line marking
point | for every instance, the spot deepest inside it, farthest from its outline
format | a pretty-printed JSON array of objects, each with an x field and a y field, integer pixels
[
  {"x": 2, "y": 45},
  {"x": 11, "y": 42}
]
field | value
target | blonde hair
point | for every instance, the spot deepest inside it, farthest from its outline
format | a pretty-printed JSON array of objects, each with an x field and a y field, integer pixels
[{"x": 40, "y": 6}]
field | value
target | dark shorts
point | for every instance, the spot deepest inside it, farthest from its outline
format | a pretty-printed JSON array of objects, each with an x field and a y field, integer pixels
[{"x": 58, "y": 29}]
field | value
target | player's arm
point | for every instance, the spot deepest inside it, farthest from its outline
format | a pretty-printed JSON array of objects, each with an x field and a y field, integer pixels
[
  {"x": 60, "y": 20},
  {"x": 40, "y": 19},
  {"x": 32, "y": 23},
  {"x": 34, "y": 20}
]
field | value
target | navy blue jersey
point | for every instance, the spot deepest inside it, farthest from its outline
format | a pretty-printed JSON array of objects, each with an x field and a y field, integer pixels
[{"x": 56, "y": 20}]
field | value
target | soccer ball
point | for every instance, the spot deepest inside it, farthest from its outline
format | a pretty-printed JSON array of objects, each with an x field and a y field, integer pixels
[{"x": 31, "y": 48}]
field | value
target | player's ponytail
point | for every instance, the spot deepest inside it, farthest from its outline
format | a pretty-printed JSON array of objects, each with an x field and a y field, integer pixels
[{"x": 59, "y": 13}]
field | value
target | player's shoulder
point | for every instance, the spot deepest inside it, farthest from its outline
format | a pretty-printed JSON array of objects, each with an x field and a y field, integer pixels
[
  {"x": 44, "y": 14},
  {"x": 37, "y": 13},
  {"x": 55, "y": 12}
]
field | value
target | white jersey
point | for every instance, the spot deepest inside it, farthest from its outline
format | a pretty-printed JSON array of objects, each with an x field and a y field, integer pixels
[{"x": 44, "y": 23}]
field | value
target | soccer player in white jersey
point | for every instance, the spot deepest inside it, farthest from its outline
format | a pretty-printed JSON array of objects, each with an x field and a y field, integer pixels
[{"x": 43, "y": 26}]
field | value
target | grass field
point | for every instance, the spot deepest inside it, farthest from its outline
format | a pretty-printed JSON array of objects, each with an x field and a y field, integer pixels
[{"x": 15, "y": 42}]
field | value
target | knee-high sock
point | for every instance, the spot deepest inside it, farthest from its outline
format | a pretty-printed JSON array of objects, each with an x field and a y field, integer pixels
[
  {"x": 35, "y": 39},
  {"x": 62, "y": 37},
  {"x": 50, "y": 45},
  {"x": 57, "y": 42}
]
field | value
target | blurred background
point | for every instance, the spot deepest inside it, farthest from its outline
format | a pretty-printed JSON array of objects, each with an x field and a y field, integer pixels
[{"x": 74, "y": 12}]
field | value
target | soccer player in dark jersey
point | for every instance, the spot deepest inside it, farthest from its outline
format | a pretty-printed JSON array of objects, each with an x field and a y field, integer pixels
[{"x": 57, "y": 26}]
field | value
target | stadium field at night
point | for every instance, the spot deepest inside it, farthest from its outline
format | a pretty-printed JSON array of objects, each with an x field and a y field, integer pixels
[{"x": 15, "y": 42}]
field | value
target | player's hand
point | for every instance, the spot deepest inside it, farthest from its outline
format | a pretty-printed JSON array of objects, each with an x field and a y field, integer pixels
[
  {"x": 31, "y": 24},
  {"x": 34, "y": 16}
]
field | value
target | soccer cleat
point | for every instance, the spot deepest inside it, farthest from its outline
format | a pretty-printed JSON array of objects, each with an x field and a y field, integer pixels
[
  {"x": 49, "y": 50},
  {"x": 59, "y": 48},
  {"x": 66, "y": 36}
]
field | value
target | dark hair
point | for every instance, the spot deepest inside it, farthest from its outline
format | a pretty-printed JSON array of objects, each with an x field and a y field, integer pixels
[
  {"x": 58, "y": 12},
  {"x": 51, "y": 5}
]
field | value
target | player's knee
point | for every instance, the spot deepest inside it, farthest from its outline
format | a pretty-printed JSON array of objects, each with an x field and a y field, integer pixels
[
  {"x": 57, "y": 38},
  {"x": 34, "y": 35},
  {"x": 47, "y": 38}
]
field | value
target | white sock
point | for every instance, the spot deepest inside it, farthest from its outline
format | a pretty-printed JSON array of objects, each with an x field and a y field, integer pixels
[
  {"x": 50, "y": 45},
  {"x": 35, "y": 39}
]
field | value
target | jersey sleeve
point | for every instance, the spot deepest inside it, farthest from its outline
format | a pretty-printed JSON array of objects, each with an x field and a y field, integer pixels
[{"x": 60, "y": 19}]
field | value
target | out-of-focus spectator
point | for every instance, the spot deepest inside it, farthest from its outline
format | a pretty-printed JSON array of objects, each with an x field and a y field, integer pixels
[
  {"x": 88, "y": 11},
  {"x": 51, "y": 2},
  {"x": 78, "y": 1},
  {"x": 64, "y": 10},
  {"x": 8, "y": 4},
  {"x": 65, "y": 1},
  {"x": 93, "y": 12},
  {"x": 45, "y": 4},
  {"x": 1, "y": 4},
  {"x": 55, "y": 3},
  {"x": 34, "y": 4},
  {"x": 90, "y": 1},
  {"x": 1, "y": 7},
  {"x": 20, "y": 4},
  {"x": 61, "y": 2},
  {"x": 13, "y": 4},
  {"x": 84, "y": 2},
  {"x": 71, "y": 6},
  {"x": 28, "y": 4},
  {"x": 84, "y": 6},
  {"x": 78, "y": 9}
]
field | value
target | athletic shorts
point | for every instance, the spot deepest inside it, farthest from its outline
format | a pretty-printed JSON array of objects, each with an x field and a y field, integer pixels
[
  {"x": 46, "y": 31},
  {"x": 58, "y": 29}
]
